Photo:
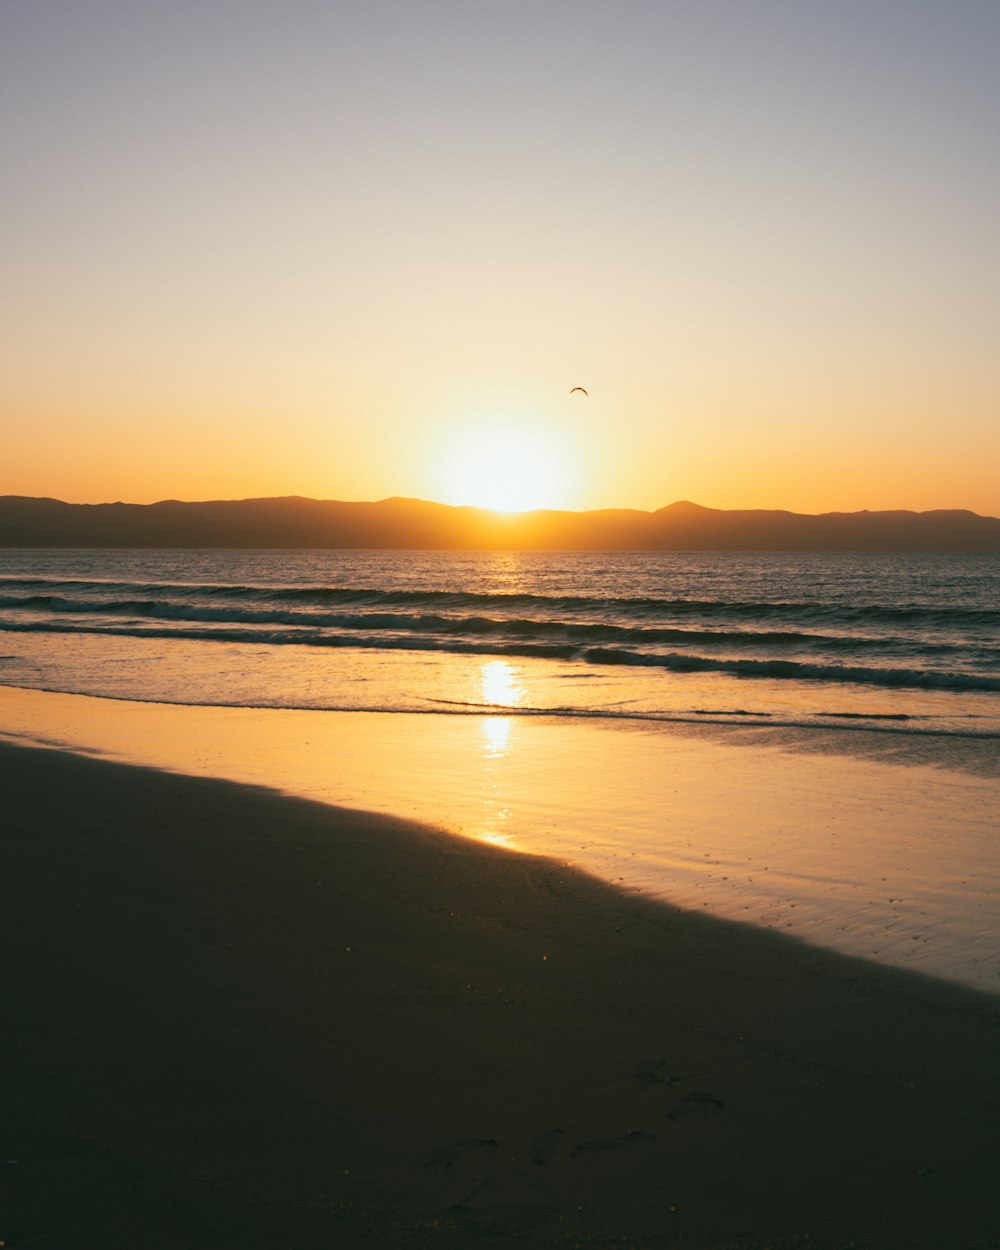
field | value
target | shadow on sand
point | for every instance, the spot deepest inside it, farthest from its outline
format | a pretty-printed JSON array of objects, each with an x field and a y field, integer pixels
[{"x": 235, "y": 1019}]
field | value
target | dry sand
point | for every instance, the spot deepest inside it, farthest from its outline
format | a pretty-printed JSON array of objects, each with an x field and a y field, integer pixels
[{"x": 235, "y": 1019}]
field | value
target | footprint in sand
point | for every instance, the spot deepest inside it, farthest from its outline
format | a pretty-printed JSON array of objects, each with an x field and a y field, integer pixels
[
  {"x": 546, "y": 1146},
  {"x": 698, "y": 1103},
  {"x": 654, "y": 1072},
  {"x": 446, "y": 1156},
  {"x": 598, "y": 1144}
]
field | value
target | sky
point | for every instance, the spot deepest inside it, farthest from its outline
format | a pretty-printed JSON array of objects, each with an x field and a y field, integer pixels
[{"x": 357, "y": 250}]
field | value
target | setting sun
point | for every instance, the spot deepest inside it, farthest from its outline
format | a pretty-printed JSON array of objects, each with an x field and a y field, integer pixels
[{"x": 506, "y": 468}]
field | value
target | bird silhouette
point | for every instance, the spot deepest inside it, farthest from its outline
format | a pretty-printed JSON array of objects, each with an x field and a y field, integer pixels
[{"x": 581, "y": 390}]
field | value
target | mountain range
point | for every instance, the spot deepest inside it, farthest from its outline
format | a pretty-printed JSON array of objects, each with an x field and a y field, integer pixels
[{"x": 295, "y": 522}]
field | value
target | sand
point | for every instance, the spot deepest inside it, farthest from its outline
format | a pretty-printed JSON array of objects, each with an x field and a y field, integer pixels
[
  {"x": 234, "y": 1018},
  {"x": 880, "y": 846}
]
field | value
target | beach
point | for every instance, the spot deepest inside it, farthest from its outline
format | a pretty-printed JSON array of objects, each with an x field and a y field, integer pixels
[
  {"x": 457, "y": 900},
  {"x": 500, "y": 626},
  {"x": 878, "y": 845},
  {"x": 237, "y": 1018}
]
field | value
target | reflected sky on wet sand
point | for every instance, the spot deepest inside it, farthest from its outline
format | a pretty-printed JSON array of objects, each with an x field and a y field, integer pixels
[{"x": 894, "y": 862}]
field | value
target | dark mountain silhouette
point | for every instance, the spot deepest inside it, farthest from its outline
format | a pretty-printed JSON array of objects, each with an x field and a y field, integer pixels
[{"x": 417, "y": 524}]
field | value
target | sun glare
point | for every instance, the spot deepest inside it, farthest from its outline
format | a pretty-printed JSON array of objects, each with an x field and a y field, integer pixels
[
  {"x": 506, "y": 469},
  {"x": 499, "y": 684}
]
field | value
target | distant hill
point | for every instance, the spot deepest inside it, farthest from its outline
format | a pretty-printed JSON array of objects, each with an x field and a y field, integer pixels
[{"x": 294, "y": 522}]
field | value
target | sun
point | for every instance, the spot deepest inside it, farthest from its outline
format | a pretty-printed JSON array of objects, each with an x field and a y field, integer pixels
[{"x": 505, "y": 468}]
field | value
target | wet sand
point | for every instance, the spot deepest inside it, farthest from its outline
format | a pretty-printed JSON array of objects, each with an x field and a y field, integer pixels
[
  {"x": 877, "y": 846},
  {"x": 234, "y": 1019}
]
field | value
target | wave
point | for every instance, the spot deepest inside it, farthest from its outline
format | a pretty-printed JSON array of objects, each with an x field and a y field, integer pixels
[
  {"x": 904, "y": 726},
  {"x": 639, "y": 607},
  {"x": 515, "y": 628},
  {"x": 677, "y": 662}
]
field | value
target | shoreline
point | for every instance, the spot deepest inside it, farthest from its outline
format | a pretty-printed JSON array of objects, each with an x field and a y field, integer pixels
[
  {"x": 849, "y": 841},
  {"x": 247, "y": 1019}
]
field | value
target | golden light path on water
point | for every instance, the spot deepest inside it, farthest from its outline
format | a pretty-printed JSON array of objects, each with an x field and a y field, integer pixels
[
  {"x": 876, "y": 856},
  {"x": 499, "y": 686},
  {"x": 500, "y": 689}
]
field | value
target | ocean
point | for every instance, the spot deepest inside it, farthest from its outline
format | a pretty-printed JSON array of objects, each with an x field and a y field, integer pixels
[
  {"x": 908, "y": 643},
  {"x": 806, "y": 742}
]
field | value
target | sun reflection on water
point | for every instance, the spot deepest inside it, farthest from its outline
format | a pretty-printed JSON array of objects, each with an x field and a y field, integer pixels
[
  {"x": 499, "y": 686},
  {"x": 498, "y": 836},
  {"x": 496, "y": 732},
  {"x": 497, "y": 742}
]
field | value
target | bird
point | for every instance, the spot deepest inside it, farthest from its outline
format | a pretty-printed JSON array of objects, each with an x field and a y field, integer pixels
[{"x": 581, "y": 390}]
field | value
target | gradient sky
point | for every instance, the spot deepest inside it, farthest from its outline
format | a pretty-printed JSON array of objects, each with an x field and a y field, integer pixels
[{"x": 342, "y": 249}]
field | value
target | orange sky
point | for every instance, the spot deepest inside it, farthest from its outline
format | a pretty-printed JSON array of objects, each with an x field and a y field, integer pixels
[{"x": 353, "y": 251}]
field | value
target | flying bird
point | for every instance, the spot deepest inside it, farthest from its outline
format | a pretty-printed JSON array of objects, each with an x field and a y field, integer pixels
[{"x": 581, "y": 390}]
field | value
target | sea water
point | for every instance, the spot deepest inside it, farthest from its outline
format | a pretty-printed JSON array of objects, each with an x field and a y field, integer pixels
[
  {"x": 805, "y": 741},
  {"x": 910, "y": 642}
]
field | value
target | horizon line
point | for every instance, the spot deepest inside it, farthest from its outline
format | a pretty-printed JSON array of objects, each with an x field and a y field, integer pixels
[{"x": 499, "y": 513}]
